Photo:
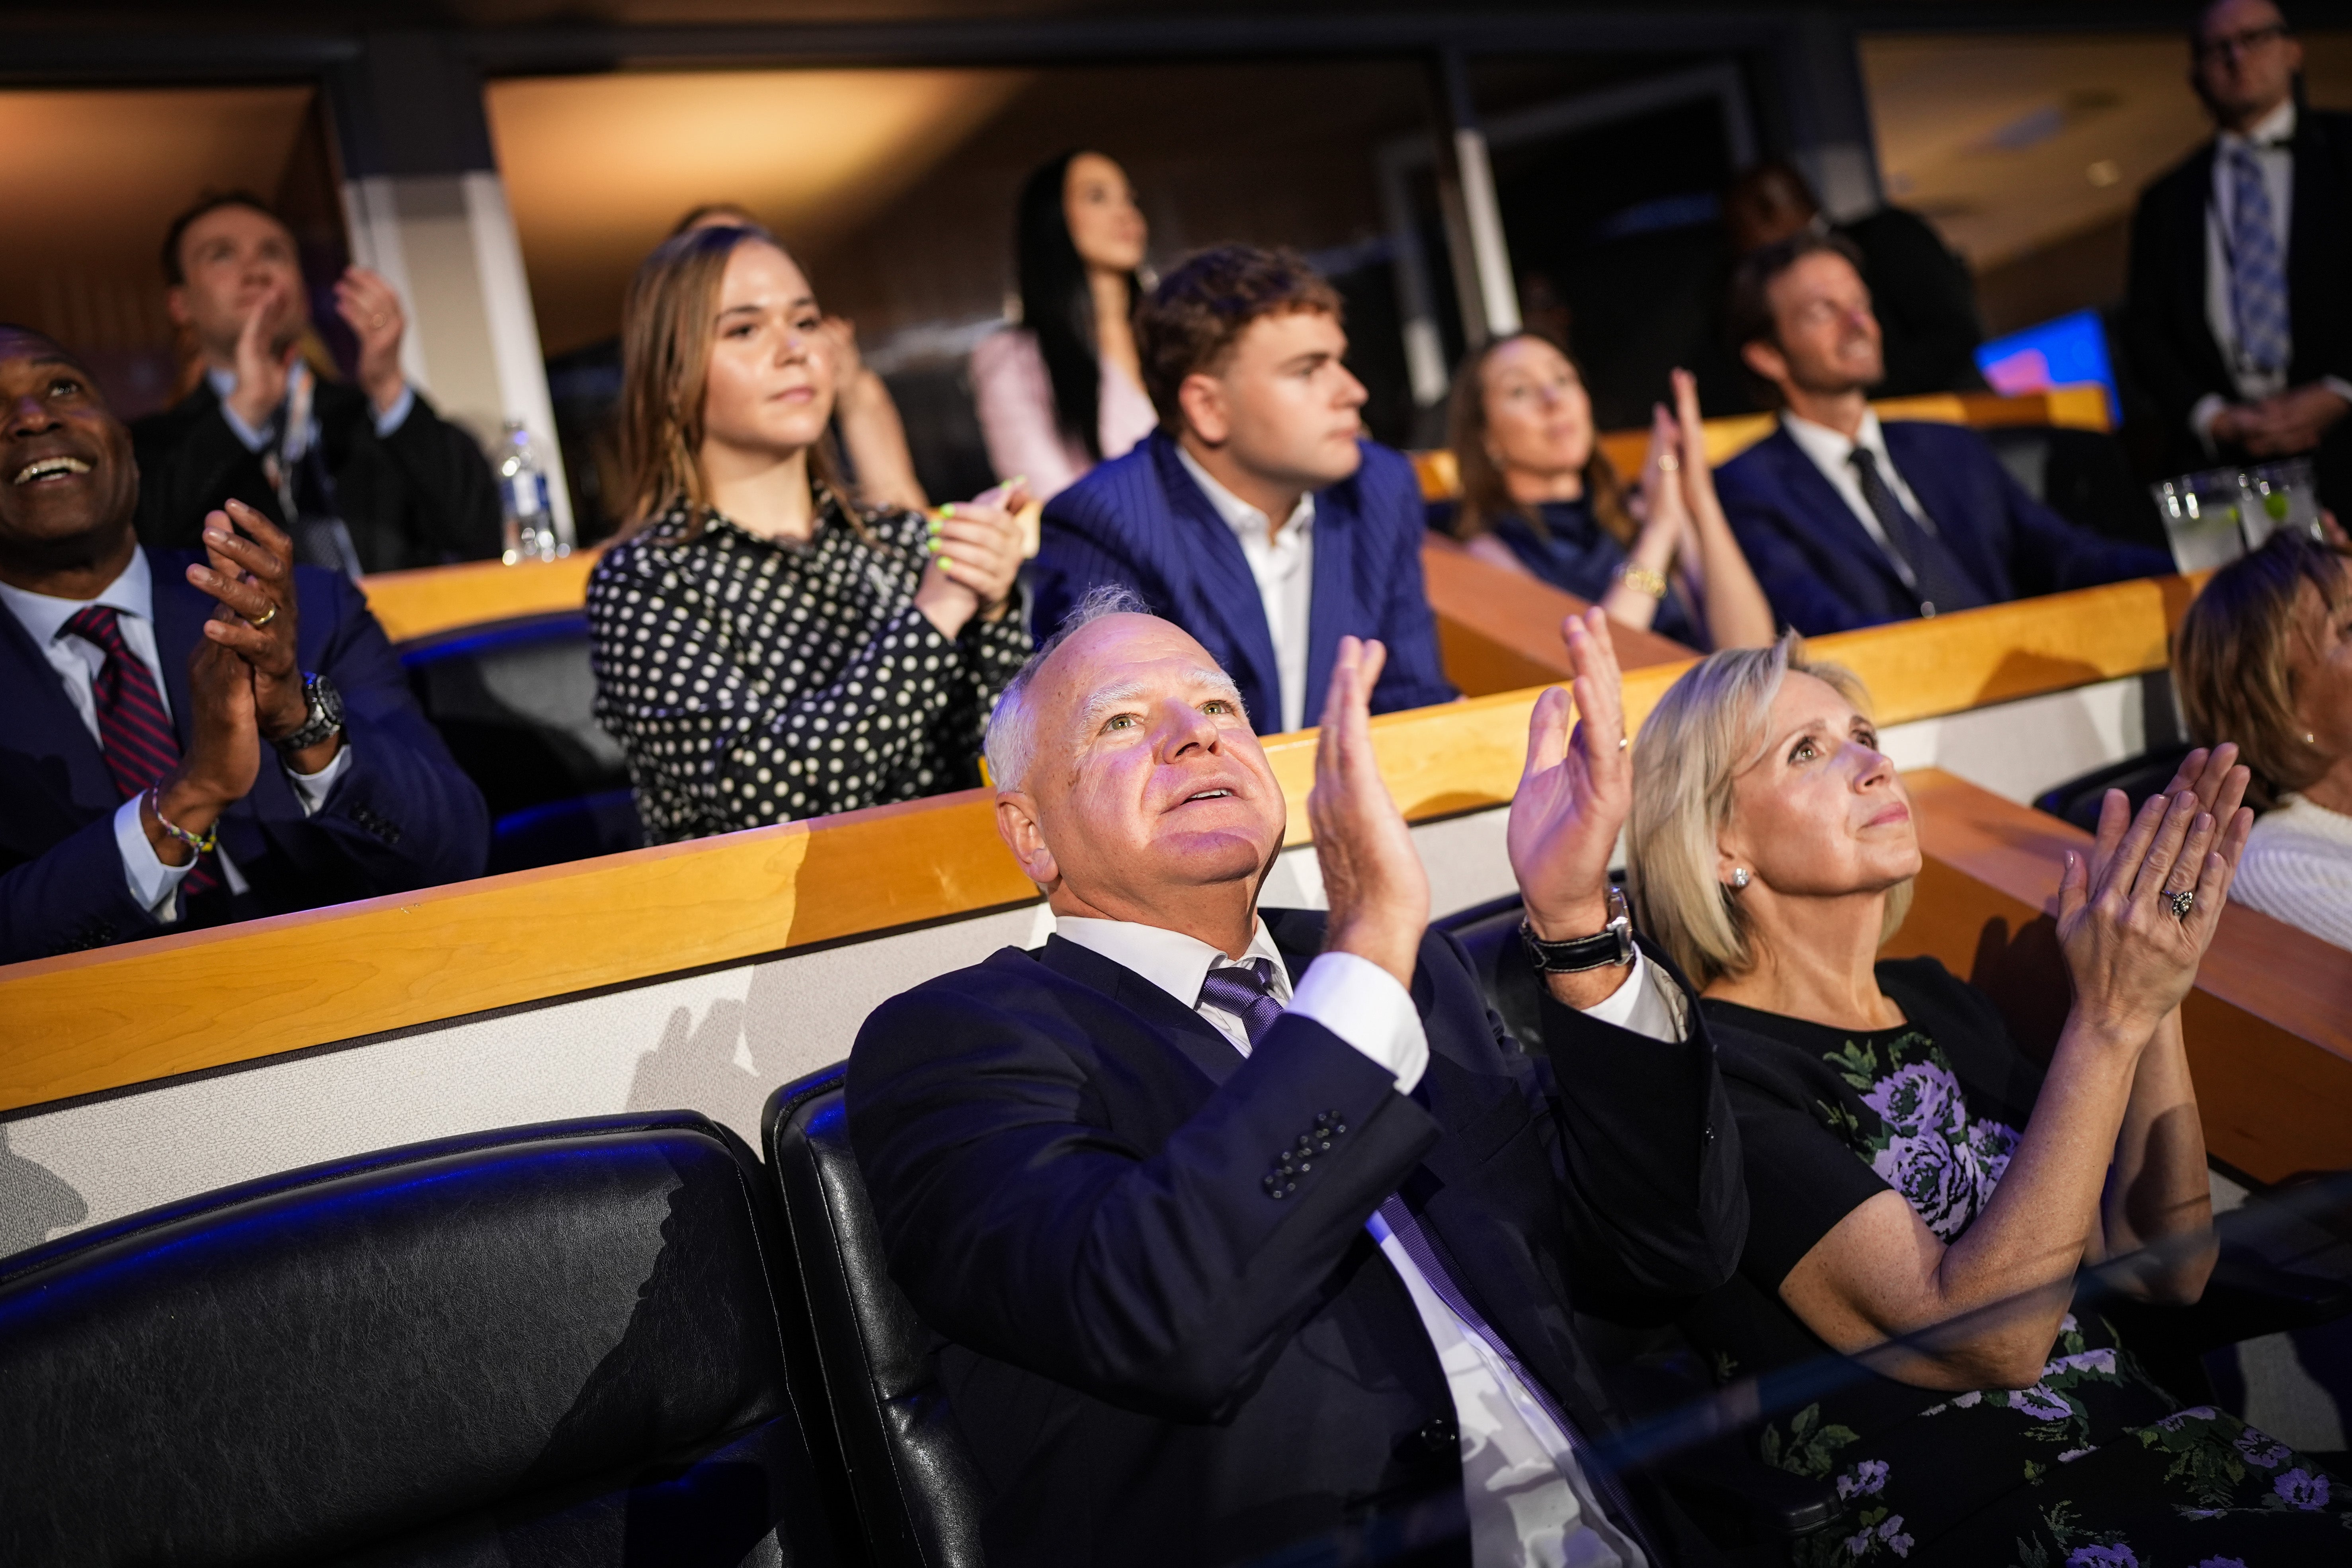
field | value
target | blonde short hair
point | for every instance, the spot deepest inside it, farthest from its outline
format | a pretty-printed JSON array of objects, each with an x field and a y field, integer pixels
[{"x": 1708, "y": 729}]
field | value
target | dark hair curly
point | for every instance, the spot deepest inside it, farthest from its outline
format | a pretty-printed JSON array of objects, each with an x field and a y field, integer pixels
[{"x": 1191, "y": 323}]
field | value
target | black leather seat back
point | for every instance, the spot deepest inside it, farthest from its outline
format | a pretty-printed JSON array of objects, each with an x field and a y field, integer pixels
[
  {"x": 2077, "y": 800},
  {"x": 553, "y": 1344},
  {"x": 516, "y": 701},
  {"x": 918, "y": 1491}
]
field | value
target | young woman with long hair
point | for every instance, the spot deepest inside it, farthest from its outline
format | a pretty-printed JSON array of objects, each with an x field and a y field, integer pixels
[
  {"x": 765, "y": 648},
  {"x": 1539, "y": 495},
  {"x": 1064, "y": 390}
]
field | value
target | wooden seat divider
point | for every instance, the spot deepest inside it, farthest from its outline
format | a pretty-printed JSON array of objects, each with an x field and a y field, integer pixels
[
  {"x": 91, "y": 1022},
  {"x": 1498, "y": 629},
  {"x": 2269, "y": 1025},
  {"x": 435, "y": 599}
]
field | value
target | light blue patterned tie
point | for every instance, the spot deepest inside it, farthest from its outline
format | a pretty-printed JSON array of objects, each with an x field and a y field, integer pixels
[{"x": 2257, "y": 270}]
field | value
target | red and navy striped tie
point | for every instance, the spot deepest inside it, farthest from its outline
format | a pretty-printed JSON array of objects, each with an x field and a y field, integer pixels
[{"x": 133, "y": 729}]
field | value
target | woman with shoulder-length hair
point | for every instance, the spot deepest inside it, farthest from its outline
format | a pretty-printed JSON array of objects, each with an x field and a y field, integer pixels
[
  {"x": 2265, "y": 654},
  {"x": 765, "y": 648},
  {"x": 1064, "y": 390},
  {"x": 1540, "y": 496},
  {"x": 1921, "y": 1196}
]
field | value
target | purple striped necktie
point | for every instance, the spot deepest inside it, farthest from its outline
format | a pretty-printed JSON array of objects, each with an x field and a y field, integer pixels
[
  {"x": 133, "y": 729},
  {"x": 1246, "y": 991}
]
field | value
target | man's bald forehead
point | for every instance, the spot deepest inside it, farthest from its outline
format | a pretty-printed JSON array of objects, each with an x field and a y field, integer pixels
[{"x": 1068, "y": 658}]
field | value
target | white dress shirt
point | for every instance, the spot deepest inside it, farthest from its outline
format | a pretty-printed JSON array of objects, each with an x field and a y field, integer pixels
[
  {"x": 154, "y": 885},
  {"x": 1528, "y": 1501},
  {"x": 1284, "y": 566},
  {"x": 2268, "y": 138},
  {"x": 1829, "y": 452}
]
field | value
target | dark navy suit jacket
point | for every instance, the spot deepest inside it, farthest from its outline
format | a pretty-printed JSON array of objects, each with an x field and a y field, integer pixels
[
  {"x": 402, "y": 816},
  {"x": 1823, "y": 573},
  {"x": 1141, "y": 520},
  {"x": 1156, "y": 1359}
]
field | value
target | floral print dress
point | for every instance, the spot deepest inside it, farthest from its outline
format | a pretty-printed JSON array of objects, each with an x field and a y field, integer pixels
[{"x": 2092, "y": 1467}]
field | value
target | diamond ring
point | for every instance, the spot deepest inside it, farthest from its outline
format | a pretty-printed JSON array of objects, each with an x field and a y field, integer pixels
[{"x": 2181, "y": 902}]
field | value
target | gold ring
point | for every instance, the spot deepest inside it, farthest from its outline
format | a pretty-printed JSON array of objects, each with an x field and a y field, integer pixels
[
  {"x": 375, "y": 321},
  {"x": 1669, "y": 464},
  {"x": 264, "y": 621}
]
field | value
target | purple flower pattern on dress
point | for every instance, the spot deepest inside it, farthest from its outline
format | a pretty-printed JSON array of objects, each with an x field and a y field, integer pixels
[
  {"x": 2301, "y": 1489},
  {"x": 2098, "y": 1556},
  {"x": 1944, "y": 1161}
]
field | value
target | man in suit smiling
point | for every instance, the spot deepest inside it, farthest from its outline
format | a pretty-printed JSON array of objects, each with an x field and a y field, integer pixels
[
  {"x": 1850, "y": 523},
  {"x": 1256, "y": 518},
  {"x": 1247, "y": 1230}
]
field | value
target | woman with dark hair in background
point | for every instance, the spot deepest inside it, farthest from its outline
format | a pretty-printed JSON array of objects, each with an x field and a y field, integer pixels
[
  {"x": 765, "y": 648},
  {"x": 2265, "y": 654},
  {"x": 1539, "y": 495},
  {"x": 1064, "y": 390}
]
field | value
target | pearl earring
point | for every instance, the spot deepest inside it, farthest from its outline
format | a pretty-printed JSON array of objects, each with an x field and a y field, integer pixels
[{"x": 1738, "y": 877}]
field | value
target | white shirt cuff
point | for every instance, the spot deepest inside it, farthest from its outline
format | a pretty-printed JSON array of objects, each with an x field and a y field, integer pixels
[
  {"x": 397, "y": 415},
  {"x": 254, "y": 440},
  {"x": 1648, "y": 1003},
  {"x": 154, "y": 886},
  {"x": 1362, "y": 1003},
  {"x": 2338, "y": 386},
  {"x": 2208, "y": 408},
  {"x": 312, "y": 789}
]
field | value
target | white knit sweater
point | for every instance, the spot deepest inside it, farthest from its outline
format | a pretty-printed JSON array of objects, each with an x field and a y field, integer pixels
[{"x": 2298, "y": 869}]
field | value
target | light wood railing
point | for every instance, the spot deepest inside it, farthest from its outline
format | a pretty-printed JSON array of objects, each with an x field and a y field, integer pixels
[
  {"x": 2072, "y": 407},
  {"x": 91, "y": 1022}
]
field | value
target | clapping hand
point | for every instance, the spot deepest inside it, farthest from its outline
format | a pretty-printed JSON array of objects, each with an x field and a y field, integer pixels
[
  {"x": 975, "y": 556},
  {"x": 371, "y": 307},
  {"x": 262, "y": 361},
  {"x": 2132, "y": 944},
  {"x": 1373, "y": 875},
  {"x": 1572, "y": 800},
  {"x": 249, "y": 570}
]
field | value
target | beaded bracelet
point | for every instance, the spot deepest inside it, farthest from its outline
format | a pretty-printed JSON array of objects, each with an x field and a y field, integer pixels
[
  {"x": 1643, "y": 579},
  {"x": 203, "y": 844}
]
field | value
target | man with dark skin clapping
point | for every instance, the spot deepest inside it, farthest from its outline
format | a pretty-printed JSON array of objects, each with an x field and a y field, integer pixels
[{"x": 185, "y": 738}]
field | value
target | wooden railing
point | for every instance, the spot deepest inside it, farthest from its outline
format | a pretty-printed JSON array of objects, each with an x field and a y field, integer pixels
[
  {"x": 102, "y": 1020},
  {"x": 2073, "y": 407},
  {"x": 1498, "y": 629},
  {"x": 435, "y": 599}
]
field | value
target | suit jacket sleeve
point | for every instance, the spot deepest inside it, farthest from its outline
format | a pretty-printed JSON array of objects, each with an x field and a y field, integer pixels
[
  {"x": 1768, "y": 535},
  {"x": 1652, "y": 1190},
  {"x": 453, "y": 498},
  {"x": 2049, "y": 555},
  {"x": 1414, "y": 675},
  {"x": 72, "y": 897},
  {"x": 403, "y": 815},
  {"x": 1164, "y": 1281},
  {"x": 2154, "y": 336}
]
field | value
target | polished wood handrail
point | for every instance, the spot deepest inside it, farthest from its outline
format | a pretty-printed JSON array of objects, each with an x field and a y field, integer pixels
[
  {"x": 102, "y": 1020},
  {"x": 1499, "y": 629},
  {"x": 2269, "y": 1025},
  {"x": 2081, "y": 407}
]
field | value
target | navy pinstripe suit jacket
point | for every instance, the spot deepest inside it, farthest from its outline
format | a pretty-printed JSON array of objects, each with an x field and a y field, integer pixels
[{"x": 1141, "y": 520}]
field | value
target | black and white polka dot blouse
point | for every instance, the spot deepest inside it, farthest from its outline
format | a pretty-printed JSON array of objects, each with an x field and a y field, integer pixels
[{"x": 751, "y": 681}]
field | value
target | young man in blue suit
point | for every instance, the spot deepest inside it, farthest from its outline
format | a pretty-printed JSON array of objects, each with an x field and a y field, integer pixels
[
  {"x": 1256, "y": 517},
  {"x": 1851, "y": 523},
  {"x": 187, "y": 738},
  {"x": 1247, "y": 1229}
]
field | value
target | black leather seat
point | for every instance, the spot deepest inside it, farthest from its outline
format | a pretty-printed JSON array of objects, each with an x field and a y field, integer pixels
[
  {"x": 556, "y": 1345},
  {"x": 2084, "y": 476},
  {"x": 2077, "y": 800},
  {"x": 516, "y": 701},
  {"x": 917, "y": 1490}
]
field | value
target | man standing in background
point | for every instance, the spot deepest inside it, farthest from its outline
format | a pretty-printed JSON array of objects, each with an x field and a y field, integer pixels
[
  {"x": 2237, "y": 323},
  {"x": 365, "y": 477}
]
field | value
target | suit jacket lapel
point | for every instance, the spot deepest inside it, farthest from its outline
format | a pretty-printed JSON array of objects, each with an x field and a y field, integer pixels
[
  {"x": 1817, "y": 498},
  {"x": 43, "y": 723},
  {"x": 1157, "y": 1011},
  {"x": 1908, "y": 444},
  {"x": 1228, "y": 589}
]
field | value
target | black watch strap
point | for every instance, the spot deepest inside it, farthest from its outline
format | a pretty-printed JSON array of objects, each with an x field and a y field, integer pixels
[{"x": 1613, "y": 945}]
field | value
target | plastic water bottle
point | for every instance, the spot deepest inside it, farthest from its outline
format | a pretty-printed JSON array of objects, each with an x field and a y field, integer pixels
[{"x": 522, "y": 490}]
